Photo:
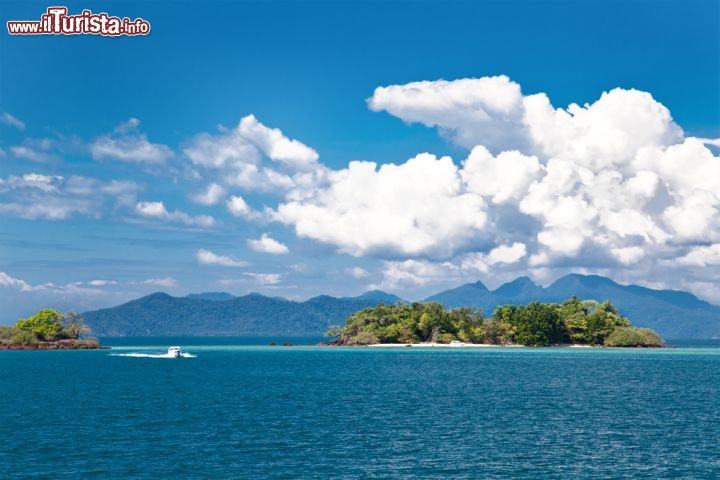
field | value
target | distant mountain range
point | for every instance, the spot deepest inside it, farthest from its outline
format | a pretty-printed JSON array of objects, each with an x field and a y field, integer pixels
[
  {"x": 221, "y": 314},
  {"x": 673, "y": 314}
]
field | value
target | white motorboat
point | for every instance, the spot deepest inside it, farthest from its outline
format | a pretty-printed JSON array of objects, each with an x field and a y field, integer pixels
[
  {"x": 173, "y": 352},
  {"x": 457, "y": 343}
]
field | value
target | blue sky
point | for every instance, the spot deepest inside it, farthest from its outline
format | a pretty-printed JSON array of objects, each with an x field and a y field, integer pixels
[{"x": 121, "y": 157}]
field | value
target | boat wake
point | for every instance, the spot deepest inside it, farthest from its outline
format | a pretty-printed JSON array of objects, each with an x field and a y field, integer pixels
[
  {"x": 153, "y": 355},
  {"x": 173, "y": 352}
]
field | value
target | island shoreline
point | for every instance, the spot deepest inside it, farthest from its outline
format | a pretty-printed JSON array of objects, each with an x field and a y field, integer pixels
[
  {"x": 57, "y": 345},
  {"x": 476, "y": 345}
]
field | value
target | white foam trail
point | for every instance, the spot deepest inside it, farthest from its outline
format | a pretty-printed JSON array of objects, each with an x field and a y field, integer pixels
[{"x": 151, "y": 355}]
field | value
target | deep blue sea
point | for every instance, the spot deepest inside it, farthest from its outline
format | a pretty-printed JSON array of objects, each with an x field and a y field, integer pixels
[{"x": 255, "y": 411}]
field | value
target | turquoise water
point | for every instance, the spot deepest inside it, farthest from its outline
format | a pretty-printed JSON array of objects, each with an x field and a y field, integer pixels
[{"x": 318, "y": 412}]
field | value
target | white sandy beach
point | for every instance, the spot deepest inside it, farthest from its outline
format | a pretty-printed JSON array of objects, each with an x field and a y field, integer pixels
[
  {"x": 465, "y": 345},
  {"x": 438, "y": 345}
]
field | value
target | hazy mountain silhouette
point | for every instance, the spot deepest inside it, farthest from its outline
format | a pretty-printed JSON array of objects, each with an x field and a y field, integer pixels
[
  {"x": 159, "y": 314},
  {"x": 673, "y": 314}
]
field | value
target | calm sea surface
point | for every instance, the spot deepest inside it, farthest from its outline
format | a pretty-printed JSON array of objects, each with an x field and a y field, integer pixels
[{"x": 257, "y": 412}]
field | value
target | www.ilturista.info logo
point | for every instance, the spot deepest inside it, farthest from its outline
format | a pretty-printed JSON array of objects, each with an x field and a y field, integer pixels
[{"x": 57, "y": 22}]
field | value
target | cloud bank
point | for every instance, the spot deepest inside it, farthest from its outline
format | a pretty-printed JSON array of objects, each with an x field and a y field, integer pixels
[
  {"x": 613, "y": 187},
  {"x": 613, "y": 184},
  {"x": 54, "y": 197}
]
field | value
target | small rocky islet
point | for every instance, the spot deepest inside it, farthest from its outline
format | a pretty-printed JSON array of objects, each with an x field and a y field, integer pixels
[{"x": 48, "y": 330}]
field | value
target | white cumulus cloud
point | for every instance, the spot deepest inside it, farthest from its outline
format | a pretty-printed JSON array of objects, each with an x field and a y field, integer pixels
[
  {"x": 267, "y": 244},
  {"x": 157, "y": 210},
  {"x": 276, "y": 145},
  {"x": 357, "y": 272},
  {"x": 14, "y": 283},
  {"x": 482, "y": 262},
  {"x": 419, "y": 207},
  {"x": 206, "y": 257},
  {"x": 127, "y": 144},
  {"x": 472, "y": 111},
  {"x": 227, "y": 150},
  {"x": 44, "y": 183},
  {"x": 20, "y": 298},
  {"x": 266, "y": 278},
  {"x": 610, "y": 185},
  {"x": 101, "y": 283},
  {"x": 212, "y": 195},
  {"x": 54, "y": 197},
  {"x": 416, "y": 273},
  {"x": 503, "y": 178},
  {"x": 166, "y": 282},
  {"x": 39, "y": 150},
  {"x": 706, "y": 256},
  {"x": 239, "y": 158},
  {"x": 603, "y": 134},
  {"x": 238, "y": 207}
]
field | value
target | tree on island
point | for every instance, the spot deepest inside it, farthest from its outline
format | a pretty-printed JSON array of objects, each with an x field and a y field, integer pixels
[
  {"x": 74, "y": 326},
  {"x": 633, "y": 337},
  {"x": 587, "y": 321},
  {"x": 47, "y": 325},
  {"x": 573, "y": 321},
  {"x": 534, "y": 324}
]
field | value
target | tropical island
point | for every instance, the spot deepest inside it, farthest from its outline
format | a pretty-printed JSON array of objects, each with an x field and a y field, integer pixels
[
  {"x": 575, "y": 321},
  {"x": 48, "y": 330}
]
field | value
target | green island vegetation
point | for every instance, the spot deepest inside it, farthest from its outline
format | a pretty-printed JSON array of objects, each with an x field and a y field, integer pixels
[
  {"x": 47, "y": 330},
  {"x": 575, "y": 321}
]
